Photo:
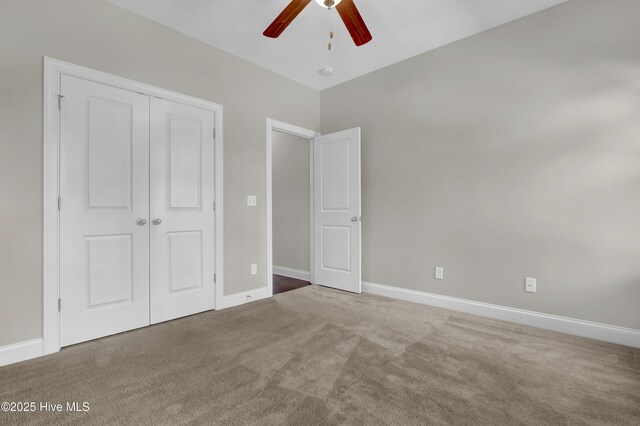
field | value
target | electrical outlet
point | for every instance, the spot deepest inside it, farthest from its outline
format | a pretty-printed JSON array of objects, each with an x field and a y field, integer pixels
[
  {"x": 530, "y": 285},
  {"x": 254, "y": 269},
  {"x": 252, "y": 200},
  {"x": 439, "y": 273}
]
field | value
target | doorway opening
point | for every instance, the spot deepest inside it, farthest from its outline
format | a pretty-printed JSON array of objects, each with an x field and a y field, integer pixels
[
  {"x": 291, "y": 211},
  {"x": 334, "y": 212},
  {"x": 290, "y": 206}
]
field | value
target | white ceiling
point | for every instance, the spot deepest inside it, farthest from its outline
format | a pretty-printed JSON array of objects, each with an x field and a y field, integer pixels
[{"x": 400, "y": 28}]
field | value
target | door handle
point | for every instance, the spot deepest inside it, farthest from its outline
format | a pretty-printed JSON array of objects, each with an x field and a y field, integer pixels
[
  {"x": 354, "y": 219},
  {"x": 156, "y": 221},
  {"x": 141, "y": 222}
]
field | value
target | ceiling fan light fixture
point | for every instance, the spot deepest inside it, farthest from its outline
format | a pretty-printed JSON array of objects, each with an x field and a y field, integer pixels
[{"x": 328, "y": 3}]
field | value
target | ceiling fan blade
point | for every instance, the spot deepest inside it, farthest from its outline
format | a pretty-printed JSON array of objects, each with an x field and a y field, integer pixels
[
  {"x": 354, "y": 22},
  {"x": 285, "y": 18}
]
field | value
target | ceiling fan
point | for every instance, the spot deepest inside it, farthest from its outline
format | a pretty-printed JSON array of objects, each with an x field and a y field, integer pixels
[{"x": 346, "y": 9}]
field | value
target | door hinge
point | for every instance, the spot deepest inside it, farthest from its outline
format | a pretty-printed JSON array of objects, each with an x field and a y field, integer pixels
[
  {"x": 59, "y": 203},
  {"x": 214, "y": 133},
  {"x": 59, "y": 305},
  {"x": 214, "y": 278},
  {"x": 60, "y": 101},
  {"x": 214, "y": 206}
]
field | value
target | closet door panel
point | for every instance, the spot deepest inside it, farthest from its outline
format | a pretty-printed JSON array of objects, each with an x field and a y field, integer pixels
[
  {"x": 182, "y": 210},
  {"x": 104, "y": 194}
]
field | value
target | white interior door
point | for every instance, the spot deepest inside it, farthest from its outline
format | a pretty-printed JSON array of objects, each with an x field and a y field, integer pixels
[
  {"x": 104, "y": 190},
  {"x": 337, "y": 227},
  {"x": 182, "y": 210}
]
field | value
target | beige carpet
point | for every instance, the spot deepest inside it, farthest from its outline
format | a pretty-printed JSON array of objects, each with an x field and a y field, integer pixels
[{"x": 317, "y": 356}]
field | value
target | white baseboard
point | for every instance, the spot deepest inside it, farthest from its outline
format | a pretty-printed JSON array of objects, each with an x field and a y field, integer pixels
[
  {"x": 22, "y": 351},
  {"x": 592, "y": 330},
  {"x": 244, "y": 297},
  {"x": 291, "y": 273}
]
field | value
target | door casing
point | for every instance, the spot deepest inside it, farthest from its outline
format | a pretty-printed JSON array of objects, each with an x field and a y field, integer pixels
[{"x": 53, "y": 70}]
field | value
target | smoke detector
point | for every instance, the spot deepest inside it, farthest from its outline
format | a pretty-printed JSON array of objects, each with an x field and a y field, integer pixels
[{"x": 326, "y": 72}]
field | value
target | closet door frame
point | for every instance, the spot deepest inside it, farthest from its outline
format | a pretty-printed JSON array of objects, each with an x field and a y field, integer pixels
[{"x": 52, "y": 102}]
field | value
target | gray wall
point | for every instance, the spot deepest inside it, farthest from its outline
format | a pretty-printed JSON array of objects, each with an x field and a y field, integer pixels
[
  {"x": 291, "y": 199},
  {"x": 100, "y": 35},
  {"x": 510, "y": 154}
]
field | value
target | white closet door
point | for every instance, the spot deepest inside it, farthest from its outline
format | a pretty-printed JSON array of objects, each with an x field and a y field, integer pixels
[
  {"x": 182, "y": 210},
  {"x": 336, "y": 202},
  {"x": 104, "y": 189}
]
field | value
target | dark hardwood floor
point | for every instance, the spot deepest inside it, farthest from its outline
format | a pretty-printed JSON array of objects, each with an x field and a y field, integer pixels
[{"x": 282, "y": 284}]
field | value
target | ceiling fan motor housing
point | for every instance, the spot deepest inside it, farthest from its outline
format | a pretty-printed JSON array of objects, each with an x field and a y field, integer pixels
[{"x": 328, "y": 3}]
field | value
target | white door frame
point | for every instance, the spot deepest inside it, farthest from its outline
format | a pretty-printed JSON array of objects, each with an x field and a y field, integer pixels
[
  {"x": 279, "y": 126},
  {"x": 53, "y": 70}
]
